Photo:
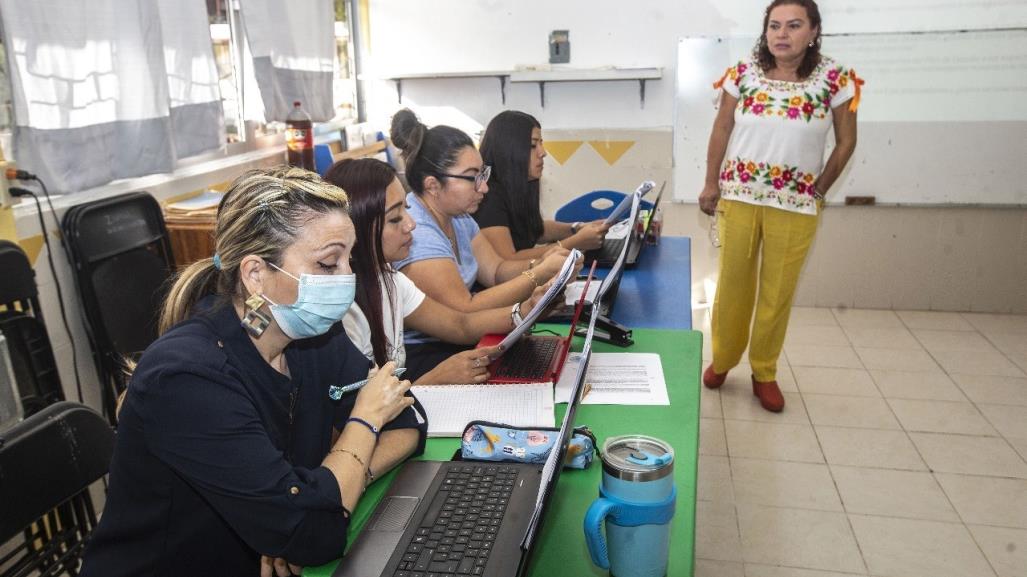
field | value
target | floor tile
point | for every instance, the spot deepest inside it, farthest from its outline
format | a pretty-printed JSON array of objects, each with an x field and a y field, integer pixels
[
  {"x": 990, "y": 456},
  {"x": 869, "y": 448},
  {"x": 935, "y": 320},
  {"x": 816, "y": 335},
  {"x": 913, "y": 548},
  {"x": 1005, "y": 548},
  {"x": 993, "y": 390},
  {"x": 716, "y": 532},
  {"x": 774, "y": 441},
  {"x": 917, "y": 385},
  {"x": 937, "y": 342},
  {"x": 995, "y": 323},
  {"x": 823, "y": 356},
  {"x": 866, "y": 318},
  {"x": 709, "y": 404},
  {"x": 798, "y": 538},
  {"x": 1009, "y": 343},
  {"x": 742, "y": 405},
  {"x": 882, "y": 338},
  {"x": 708, "y": 568},
  {"x": 941, "y": 417},
  {"x": 784, "y": 484},
  {"x": 979, "y": 363},
  {"x": 753, "y": 570},
  {"x": 987, "y": 500},
  {"x": 891, "y": 493},
  {"x": 896, "y": 360},
  {"x": 807, "y": 316},
  {"x": 842, "y": 411},
  {"x": 714, "y": 482},
  {"x": 711, "y": 437},
  {"x": 1011, "y": 421},
  {"x": 835, "y": 381}
]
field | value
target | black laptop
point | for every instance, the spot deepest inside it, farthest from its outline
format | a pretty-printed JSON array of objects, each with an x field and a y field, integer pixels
[
  {"x": 462, "y": 517},
  {"x": 607, "y": 254}
]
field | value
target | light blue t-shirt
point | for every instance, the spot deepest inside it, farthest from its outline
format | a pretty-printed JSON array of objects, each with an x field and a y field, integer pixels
[{"x": 430, "y": 242}]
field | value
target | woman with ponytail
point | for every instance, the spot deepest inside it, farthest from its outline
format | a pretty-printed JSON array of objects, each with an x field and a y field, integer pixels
[
  {"x": 236, "y": 454},
  {"x": 449, "y": 256},
  {"x": 387, "y": 300}
]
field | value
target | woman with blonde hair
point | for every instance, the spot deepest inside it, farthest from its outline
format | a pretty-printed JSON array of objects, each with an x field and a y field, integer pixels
[{"x": 236, "y": 452}]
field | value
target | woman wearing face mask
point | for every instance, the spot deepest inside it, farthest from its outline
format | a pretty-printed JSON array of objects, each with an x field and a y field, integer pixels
[
  {"x": 448, "y": 255},
  {"x": 376, "y": 320},
  {"x": 510, "y": 216},
  {"x": 765, "y": 181},
  {"x": 232, "y": 458}
]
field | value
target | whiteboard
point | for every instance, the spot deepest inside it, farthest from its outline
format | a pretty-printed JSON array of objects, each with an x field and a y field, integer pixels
[{"x": 942, "y": 120}]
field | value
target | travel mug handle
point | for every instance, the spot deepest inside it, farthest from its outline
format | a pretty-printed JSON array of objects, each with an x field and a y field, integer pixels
[{"x": 594, "y": 518}]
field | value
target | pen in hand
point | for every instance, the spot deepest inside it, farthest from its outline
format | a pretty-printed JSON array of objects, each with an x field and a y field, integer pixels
[{"x": 335, "y": 392}]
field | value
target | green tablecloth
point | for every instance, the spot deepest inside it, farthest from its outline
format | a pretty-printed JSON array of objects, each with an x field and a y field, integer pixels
[{"x": 560, "y": 549}]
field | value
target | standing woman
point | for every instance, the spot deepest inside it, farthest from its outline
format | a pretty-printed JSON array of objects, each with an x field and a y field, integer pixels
[
  {"x": 387, "y": 300},
  {"x": 510, "y": 216},
  {"x": 448, "y": 255},
  {"x": 232, "y": 458},
  {"x": 766, "y": 180}
]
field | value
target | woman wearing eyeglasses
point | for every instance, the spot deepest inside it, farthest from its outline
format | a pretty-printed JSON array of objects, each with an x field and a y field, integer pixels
[
  {"x": 448, "y": 255},
  {"x": 510, "y": 216}
]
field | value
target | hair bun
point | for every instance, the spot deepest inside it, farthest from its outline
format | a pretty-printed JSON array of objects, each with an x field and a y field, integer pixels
[{"x": 407, "y": 132}]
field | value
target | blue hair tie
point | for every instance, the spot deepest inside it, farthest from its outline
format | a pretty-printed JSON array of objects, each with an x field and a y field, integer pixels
[{"x": 217, "y": 261}]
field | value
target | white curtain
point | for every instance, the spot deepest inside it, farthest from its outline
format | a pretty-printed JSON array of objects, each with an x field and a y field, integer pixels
[
  {"x": 109, "y": 89},
  {"x": 293, "y": 47}
]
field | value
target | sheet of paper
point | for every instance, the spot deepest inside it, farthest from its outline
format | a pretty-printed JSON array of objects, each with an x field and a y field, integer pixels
[
  {"x": 617, "y": 379},
  {"x": 451, "y": 407},
  {"x": 619, "y": 230},
  {"x": 562, "y": 278},
  {"x": 641, "y": 191},
  {"x": 573, "y": 292}
]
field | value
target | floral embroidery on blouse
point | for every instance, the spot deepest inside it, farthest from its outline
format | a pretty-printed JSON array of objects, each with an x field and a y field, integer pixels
[{"x": 787, "y": 185}]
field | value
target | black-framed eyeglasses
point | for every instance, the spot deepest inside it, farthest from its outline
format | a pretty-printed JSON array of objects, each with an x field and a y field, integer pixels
[{"x": 478, "y": 179}]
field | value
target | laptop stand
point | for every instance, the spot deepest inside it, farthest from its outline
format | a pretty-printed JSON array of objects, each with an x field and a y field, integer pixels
[{"x": 607, "y": 330}]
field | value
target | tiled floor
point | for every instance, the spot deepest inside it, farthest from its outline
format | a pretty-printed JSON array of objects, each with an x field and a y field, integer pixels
[{"x": 901, "y": 452}]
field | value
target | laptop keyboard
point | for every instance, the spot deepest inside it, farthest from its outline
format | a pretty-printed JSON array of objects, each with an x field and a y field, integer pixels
[
  {"x": 456, "y": 536},
  {"x": 528, "y": 359}
]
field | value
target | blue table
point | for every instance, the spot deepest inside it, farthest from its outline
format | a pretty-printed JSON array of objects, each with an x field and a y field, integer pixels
[{"x": 657, "y": 294}]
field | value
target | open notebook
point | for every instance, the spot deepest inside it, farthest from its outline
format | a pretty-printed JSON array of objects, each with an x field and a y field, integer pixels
[{"x": 451, "y": 407}]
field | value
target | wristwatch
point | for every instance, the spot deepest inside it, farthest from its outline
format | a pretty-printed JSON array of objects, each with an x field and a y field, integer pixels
[
  {"x": 575, "y": 226},
  {"x": 515, "y": 315}
]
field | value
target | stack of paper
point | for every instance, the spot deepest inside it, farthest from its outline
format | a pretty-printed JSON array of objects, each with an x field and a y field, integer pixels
[{"x": 451, "y": 407}]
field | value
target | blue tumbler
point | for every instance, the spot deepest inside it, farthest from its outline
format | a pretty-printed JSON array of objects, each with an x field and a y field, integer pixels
[{"x": 636, "y": 501}]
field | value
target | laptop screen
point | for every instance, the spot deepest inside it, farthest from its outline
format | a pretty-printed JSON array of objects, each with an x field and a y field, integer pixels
[
  {"x": 618, "y": 266},
  {"x": 551, "y": 470}
]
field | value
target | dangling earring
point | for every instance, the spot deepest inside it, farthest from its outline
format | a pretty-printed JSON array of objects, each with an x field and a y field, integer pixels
[
  {"x": 812, "y": 43},
  {"x": 255, "y": 322}
]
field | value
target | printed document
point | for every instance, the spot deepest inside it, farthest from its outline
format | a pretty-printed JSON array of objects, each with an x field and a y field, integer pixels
[{"x": 617, "y": 379}]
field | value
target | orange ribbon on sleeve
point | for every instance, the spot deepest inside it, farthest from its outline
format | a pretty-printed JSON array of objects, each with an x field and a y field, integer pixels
[{"x": 857, "y": 82}]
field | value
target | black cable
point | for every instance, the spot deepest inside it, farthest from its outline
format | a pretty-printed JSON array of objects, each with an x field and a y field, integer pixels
[{"x": 53, "y": 271}]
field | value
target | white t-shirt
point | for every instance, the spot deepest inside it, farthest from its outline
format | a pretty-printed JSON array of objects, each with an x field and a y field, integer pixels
[
  {"x": 776, "y": 151},
  {"x": 407, "y": 297}
]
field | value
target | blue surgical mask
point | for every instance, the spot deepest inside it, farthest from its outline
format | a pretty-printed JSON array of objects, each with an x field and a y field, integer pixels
[{"x": 322, "y": 301}]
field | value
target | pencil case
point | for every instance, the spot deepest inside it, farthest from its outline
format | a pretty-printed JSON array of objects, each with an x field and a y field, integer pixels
[{"x": 485, "y": 441}]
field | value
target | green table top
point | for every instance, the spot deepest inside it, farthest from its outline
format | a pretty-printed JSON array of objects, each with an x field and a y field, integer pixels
[{"x": 560, "y": 548}]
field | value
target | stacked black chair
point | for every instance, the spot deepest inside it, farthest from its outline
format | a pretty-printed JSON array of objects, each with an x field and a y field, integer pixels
[
  {"x": 122, "y": 258},
  {"x": 47, "y": 463},
  {"x": 21, "y": 322}
]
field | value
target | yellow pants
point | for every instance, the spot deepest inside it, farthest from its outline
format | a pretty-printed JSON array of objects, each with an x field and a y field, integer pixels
[{"x": 747, "y": 233}]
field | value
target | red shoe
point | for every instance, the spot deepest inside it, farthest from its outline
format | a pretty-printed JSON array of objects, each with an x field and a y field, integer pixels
[
  {"x": 769, "y": 394},
  {"x": 711, "y": 379}
]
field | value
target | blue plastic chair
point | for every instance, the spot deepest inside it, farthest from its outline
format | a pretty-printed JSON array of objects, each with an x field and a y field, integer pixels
[{"x": 584, "y": 209}]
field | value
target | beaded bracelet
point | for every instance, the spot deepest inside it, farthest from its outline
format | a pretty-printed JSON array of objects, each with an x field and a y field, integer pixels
[
  {"x": 377, "y": 432},
  {"x": 351, "y": 454},
  {"x": 531, "y": 276}
]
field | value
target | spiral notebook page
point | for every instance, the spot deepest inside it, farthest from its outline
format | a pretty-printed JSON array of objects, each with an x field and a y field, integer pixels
[{"x": 451, "y": 407}]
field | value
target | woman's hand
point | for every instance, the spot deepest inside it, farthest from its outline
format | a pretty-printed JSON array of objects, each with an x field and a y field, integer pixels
[
  {"x": 277, "y": 567},
  {"x": 590, "y": 236},
  {"x": 382, "y": 399},
  {"x": 465, "y": 367},
  {"x": 535, "y": 297},
  {"x": 550, "y": 265},
  {"x": 708, "y": 199}
]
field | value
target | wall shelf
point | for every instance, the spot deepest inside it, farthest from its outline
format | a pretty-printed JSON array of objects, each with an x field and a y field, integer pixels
[{"x": 542, "y": 77}]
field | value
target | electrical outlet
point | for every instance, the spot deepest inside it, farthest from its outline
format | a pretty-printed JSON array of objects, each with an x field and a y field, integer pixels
[{"x": 559, "y": 47}]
